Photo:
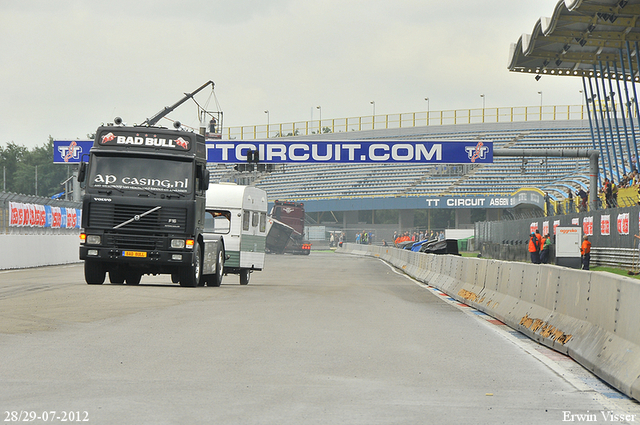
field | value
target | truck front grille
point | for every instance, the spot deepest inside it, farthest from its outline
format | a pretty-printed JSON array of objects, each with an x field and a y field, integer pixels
[
  {"x": 135, "y": 242},
  {"x": 107, "y": 216}
]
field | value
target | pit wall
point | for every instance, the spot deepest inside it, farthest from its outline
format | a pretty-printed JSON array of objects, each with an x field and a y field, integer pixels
[
  {"x": 21, "y": 251},
  {"x": 590, "y": 316}
]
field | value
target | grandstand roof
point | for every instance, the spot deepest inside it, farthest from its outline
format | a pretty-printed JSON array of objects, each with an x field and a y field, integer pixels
[{"x": 578, "y": 36}]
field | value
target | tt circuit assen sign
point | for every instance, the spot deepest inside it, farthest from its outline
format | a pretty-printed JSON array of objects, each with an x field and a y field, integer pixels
[{"x": 350, "y": 152}]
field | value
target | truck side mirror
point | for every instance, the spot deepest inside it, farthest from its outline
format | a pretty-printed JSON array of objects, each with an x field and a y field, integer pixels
[
  {"x": 82, "y": 171},
  {"x": 204, "y": 182}
]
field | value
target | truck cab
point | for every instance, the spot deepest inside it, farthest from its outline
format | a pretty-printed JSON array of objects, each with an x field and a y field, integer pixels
[{"x": 144, "y": 207}]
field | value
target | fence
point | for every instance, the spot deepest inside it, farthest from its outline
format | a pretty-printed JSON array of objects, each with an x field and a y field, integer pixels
[
  {"x": 29, "y": 215},
  {"x": 410, "y": 119},
  {"x": 611, "y": 231}
]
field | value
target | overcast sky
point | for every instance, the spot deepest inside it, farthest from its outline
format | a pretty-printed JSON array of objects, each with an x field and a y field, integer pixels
[{"x": 68, "y": 66}]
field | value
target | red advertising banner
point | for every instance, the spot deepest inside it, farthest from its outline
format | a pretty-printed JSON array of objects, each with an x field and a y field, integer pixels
[
  {"x": 605, "y": 225},
  {"x": 587, "y": 226},
  {"x": 623, "y": 223}
]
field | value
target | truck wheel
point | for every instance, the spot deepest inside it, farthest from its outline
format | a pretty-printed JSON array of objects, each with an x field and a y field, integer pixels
[
  {"x": 244, "y": 276},
  {"x": 133, "y": 278},
  {"x": 116, "y": 276},
  {"x": 94, "y": 273},
  {"x": 190, "y": 275},
  {"x": 216, "y": 279}
]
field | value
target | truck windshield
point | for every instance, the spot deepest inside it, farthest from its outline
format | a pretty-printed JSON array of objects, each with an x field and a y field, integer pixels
[{"x": 126, "y": 173}]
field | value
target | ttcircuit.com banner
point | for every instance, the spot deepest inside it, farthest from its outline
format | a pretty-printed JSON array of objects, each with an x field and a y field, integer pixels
[
  {"x": 350, "y": 151},
  {"x": 306, "y": 151}
]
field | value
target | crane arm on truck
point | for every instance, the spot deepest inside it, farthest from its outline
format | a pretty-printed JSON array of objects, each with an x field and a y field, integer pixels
[{"x": 168, "y": 109}]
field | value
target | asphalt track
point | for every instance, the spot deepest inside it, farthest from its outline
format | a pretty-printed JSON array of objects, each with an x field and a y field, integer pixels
[{"x": 323, "y": 339}]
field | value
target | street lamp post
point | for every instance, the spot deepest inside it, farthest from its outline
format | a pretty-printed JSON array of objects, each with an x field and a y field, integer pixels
[
  {"x": 373, "y": 125},
  {"x": 427, "y": 99},
  {"x": 483, "y": 105},
  {"x": 268, "y": 119},
  {"x": 540, "y": 93},
  {"x": 320, "y": 121}
]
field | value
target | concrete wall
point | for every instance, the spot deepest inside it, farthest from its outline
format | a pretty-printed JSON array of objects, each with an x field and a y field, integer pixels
[
  {"x": 591, "y": 316},
  {"x": 21, "y": 251}
]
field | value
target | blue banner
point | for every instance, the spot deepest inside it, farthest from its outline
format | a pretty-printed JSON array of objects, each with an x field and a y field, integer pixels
[
  {"x": 351, "y": 151},
  {"x": 70, "y": 151}
]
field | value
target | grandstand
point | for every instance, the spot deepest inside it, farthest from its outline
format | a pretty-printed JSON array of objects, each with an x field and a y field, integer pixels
[{"x": 309, "y": 182}]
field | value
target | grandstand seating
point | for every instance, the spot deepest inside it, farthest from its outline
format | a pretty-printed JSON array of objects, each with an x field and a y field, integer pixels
[{"x": 504, "y": 176}]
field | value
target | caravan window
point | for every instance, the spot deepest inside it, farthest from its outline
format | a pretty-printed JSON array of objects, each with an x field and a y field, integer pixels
[
  {"x": 245, "y": 220},
  {"x": 254, "y": 221},
  {"x": 263, "y": 222},
  {"x": 217, "y": 221}
]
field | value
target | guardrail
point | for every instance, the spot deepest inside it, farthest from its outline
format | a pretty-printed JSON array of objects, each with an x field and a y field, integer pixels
[
  {"x": 409, "y": 119},
  {"x": 590, "y": 316}
]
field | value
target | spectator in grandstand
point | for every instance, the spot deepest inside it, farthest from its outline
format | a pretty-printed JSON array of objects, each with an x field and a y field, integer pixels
[
  {"x": 570, "y": 205},
  {"x": 384, "y": 243},
  {"x": 534, "y": 248},
  {"x": 357, "y": 238},
  {"x": 585, "y": 252},
  {"x": 547, "y": 202},
  {"x": 583, "y": 200},
  {"x": 441, "y": 235},
  {"x": 608, "y": 193}
]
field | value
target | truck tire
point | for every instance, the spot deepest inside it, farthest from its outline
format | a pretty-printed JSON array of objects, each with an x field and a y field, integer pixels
[
  {"x": 190, "y": 275},
  {"x": 94, "y": 273},
  {"x": 133, "y": 278},
  {"x": 216, "y": 278},
  {"x": 244, "y": 276},
  {"x": 116, "y": 276}
]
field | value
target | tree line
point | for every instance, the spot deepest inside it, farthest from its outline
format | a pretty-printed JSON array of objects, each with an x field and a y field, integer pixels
[{"x": 18, "y": 170}]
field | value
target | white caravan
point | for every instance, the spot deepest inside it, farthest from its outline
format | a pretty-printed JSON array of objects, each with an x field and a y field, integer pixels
[{"x": 239, "y": 213}]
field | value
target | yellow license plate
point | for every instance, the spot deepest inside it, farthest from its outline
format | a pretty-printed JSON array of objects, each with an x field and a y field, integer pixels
[{"x": 134, "y": 254}]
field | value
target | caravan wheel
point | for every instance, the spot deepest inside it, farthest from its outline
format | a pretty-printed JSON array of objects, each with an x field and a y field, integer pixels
[{"x": 245, "y": 274}]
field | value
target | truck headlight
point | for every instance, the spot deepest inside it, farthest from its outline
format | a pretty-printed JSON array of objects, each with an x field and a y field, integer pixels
[
  {"x": 177, "y": 243},
  {"x": 94, "y": 239}
]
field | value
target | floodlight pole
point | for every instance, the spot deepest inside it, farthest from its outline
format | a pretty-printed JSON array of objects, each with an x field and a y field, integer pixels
[{"x": 593, "y": 156}]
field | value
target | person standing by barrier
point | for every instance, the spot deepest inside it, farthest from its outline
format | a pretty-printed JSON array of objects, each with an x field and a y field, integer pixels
[
  {"x": 585, "y": 252},
  {"x": 534, "y": 248},
  {"x": 546, "y": 249}
]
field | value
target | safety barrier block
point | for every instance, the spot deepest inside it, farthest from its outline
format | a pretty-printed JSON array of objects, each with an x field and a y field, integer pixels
[
  {"x": 603, "y": 300},
  {"x": 572, "y": 293}
]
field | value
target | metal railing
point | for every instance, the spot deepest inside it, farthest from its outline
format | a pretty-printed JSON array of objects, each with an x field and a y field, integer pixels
[
  {"x": 623, "y": 258},
  {"x": 409, "y": 119}
]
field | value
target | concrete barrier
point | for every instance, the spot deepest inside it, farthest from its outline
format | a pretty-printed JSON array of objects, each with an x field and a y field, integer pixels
[
  {"x": 591, "y": 316},
  {"x": 21, "y": 251}
]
